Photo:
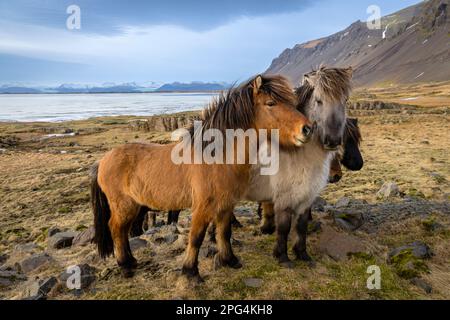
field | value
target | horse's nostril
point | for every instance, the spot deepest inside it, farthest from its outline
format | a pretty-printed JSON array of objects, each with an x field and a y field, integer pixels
[{"x": 307, "y": 130}]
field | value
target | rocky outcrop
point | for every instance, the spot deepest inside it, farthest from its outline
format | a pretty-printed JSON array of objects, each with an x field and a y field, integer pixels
[{"x": 162, "y": 123}]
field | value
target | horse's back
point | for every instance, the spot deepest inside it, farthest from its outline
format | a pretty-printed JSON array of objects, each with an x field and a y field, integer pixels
[{"x": 145, "y": 174}]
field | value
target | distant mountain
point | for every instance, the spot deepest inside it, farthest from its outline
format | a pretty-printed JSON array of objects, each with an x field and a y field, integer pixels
[
  {"x": 117, "y": 88},
  {"x": 194, "y": 86},
  {"x": 16, "y": 90},
  {"x": 412, "y": 46}
]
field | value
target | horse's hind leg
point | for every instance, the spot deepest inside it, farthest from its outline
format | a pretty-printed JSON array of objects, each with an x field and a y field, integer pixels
[
  {"x": 200, "y": 222},
  {"x": 137, "y": 228},
  {"x": 173, "y": 216},
  {"x": 122, "y": 217},
  {"x": 225, "y": 256},
  {"x": 283, "y": 226},
  {"x": 268, "y": 216},
  {"x": 301, "y": 228}
]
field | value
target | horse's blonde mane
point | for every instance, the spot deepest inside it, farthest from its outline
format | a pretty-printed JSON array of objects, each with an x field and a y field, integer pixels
[{"x": 330, "y": 83}]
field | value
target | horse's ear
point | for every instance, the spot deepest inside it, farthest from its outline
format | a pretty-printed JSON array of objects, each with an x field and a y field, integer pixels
[
  {"x": 257, "y": 83},
  {"x": 349, "y": 71},
  {"x": 308, "y": 78}
]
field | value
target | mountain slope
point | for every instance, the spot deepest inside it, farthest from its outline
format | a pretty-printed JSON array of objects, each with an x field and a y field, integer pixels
[{"x": 411, "y": 46}]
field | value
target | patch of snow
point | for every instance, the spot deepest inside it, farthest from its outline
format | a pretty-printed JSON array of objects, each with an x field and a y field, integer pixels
[
  {"x": 409, "y": 99},
  {"x": 411, "y": 26},
  {"x": 346, "y": 34},
  {"x": 418, "y": 76},
  {"x": 370, "y": 46},
  {"x": 385, "y": 29},
  {"x": 425, "y": 41}
]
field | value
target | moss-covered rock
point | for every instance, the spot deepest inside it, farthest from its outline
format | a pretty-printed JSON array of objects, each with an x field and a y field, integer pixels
[{"x": 407, "y": 265}]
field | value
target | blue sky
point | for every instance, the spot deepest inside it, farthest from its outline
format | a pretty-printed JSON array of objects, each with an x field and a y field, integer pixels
[{"x": 164, "y": 41}]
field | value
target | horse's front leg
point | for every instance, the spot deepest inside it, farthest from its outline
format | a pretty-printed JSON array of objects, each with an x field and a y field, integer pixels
[
  {"x": 283, "y": 226},
  {"x": 225, "y": 255},
  {"x": 301, "y": 230}
]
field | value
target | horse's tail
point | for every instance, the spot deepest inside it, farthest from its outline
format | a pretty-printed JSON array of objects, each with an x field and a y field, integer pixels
[{"x": 102, "y": 214}]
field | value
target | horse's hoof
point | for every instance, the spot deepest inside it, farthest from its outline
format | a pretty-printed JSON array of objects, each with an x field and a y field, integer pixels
[
  {"x": 303, "y": 256},
  {"x": 127, "y": 272},
  {"x": 236, "y": 265},
  {"x": 195, "y": 279},
  {"x": 134, "y": 264},
  {"x": 233, "y": 263},
  {"x": 267, "y": 229}
]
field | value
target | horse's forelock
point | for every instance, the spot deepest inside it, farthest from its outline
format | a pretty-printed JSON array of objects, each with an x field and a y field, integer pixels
[
  {"x": 279, "y": 89},
  {"x": 332, "y": 83}
]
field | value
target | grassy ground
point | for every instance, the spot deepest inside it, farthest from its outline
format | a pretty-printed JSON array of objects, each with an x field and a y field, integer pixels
[
  {"x": 45, "y": 184},
  {"x": 422, "y": 94}
]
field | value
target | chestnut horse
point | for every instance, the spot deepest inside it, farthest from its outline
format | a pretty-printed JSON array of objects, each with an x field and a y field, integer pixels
[{"x": 133, "y": 176}]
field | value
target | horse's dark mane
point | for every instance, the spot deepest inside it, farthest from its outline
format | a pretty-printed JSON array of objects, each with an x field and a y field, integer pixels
[
  {"x": 352, "y": 131},
  {"x": 304, "y": 94},
  {"x": 234, "y": 109}
]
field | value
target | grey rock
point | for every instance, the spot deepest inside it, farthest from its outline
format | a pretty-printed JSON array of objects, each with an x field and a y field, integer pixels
[
  {"x": 319, "y": 204},
  {"x": 171, "y": 238},
  {"x": 35, "y": 261},
  {"x": 343, "y": 202},
  {"x": 52, "y": 231},
  {"x": 418, "y": 249},
  {"x": 29, "y": 247},
  {"x": 388, "y": 190},
  {"x": 348, "y": 221},
  {"x": 8, "y": 277},
  {"x": 208, "y": 251},
  {"x": 87, "y": 274},
  {"x": 40, "y": 287},
  {"x": 137, "y": 243},
  {"x": 253, "y": 282},
  {"x": 61, "y": 240},
  {"x": 339, "y": 245},
  {"x": 168, "y": 239},
  {"x": 425, "y": 286},
  {"x": 243, "y": 212},
  {"x": 151, "y": 231},
  {"x": 84, "y": 238},
  {"x": 3, "y": 258}
]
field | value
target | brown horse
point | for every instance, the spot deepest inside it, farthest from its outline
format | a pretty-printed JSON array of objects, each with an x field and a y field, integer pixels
[{"x": 133, "y": 176}]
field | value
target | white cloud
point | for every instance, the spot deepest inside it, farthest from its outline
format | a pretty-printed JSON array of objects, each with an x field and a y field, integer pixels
[{"x": 230, "y": 52}]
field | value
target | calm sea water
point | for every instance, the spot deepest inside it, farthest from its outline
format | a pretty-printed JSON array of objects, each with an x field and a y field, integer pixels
[{"x": 61, "y": 107}]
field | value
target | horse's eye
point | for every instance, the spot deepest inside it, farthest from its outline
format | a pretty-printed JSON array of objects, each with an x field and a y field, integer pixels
[
  {"x": 319, "y": 102},
  {"x": 271, "y": 103}
]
